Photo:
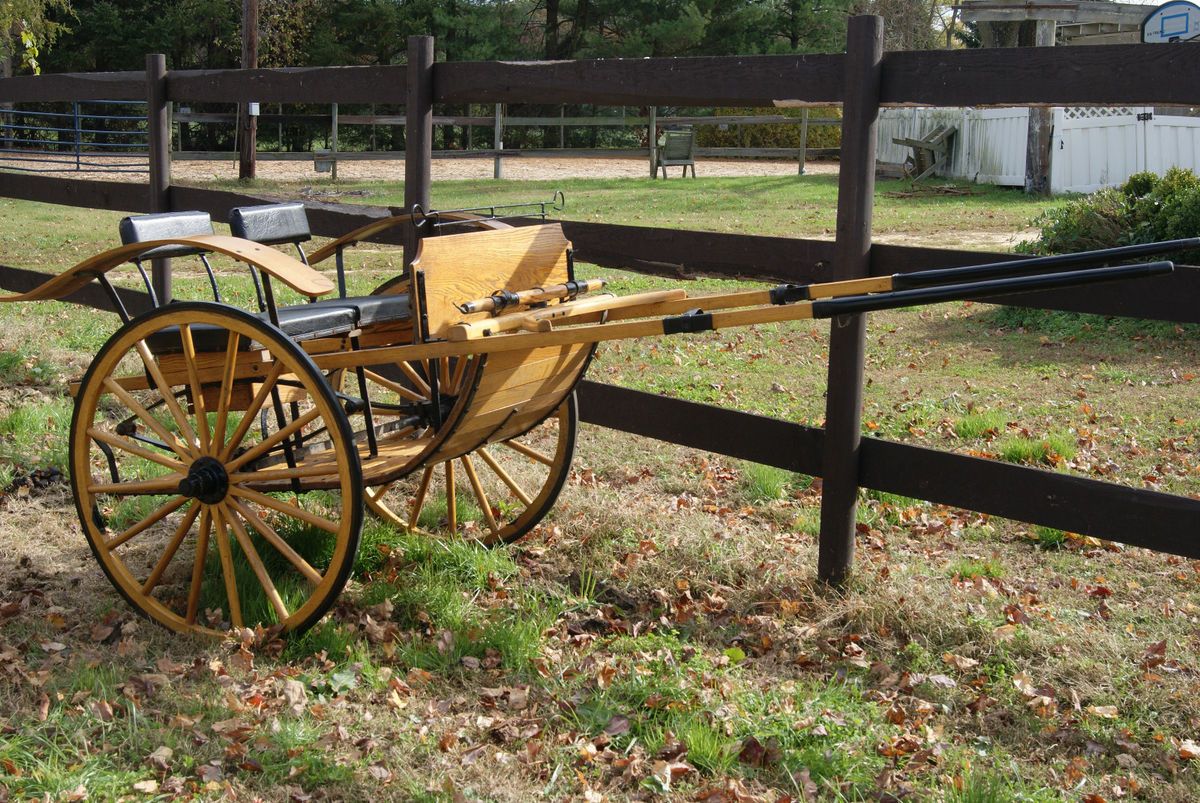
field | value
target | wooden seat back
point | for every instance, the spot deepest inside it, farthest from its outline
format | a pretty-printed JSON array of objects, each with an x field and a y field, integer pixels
[
  {"x": 452, "y": 269},
  {"x": 677, "y": 147}
]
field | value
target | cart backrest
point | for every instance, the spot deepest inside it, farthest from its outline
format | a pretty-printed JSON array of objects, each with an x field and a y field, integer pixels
[
  {"x": 455, "y": 268},
  {"x": 271, "y": 224},
  {"x": 163, "y": 226}
]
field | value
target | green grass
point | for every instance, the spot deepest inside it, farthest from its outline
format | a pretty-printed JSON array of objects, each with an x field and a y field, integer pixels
[
  {"x": 1049, "y": 538},
  {"x": 761, "y": 483},
  {"x": 1051, "y": 450},
  {"x": 800, "y": 204},
  {"x": 21, "y": 368},
  {"x": 661, "y": 578},
  {"x": 1078, "y": 326},
  {"x": 979, "y": 425},
  {"x": 970, "y": 568},
  {"x": 35, "y": 435}
]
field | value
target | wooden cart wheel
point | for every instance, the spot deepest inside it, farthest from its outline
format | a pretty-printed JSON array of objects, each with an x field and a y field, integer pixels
[
  {"x": 495, "y": 494},
  {"x": 214, "y": 472}
]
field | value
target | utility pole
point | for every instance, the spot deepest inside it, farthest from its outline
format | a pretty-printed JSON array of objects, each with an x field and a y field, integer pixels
[{"x": 247, "y": 117}]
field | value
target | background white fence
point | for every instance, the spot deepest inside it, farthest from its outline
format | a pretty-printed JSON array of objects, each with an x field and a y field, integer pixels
[{"x": 1091, "y": 147}]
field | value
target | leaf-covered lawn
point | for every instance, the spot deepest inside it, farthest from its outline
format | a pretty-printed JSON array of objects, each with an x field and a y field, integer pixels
[{"x": 661, "y": 636}]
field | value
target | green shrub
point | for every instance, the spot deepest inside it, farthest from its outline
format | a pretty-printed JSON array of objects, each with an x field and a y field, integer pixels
[
  {"x": 772, "y": 135},
  {"x": 1144, "y": 209}
]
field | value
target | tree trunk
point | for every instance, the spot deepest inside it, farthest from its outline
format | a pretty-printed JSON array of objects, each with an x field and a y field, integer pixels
[{"x": 551, "y": 37}]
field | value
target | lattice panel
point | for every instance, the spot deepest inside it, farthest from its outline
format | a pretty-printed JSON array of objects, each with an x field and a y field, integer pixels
[{"x": 1096, "y": 112}]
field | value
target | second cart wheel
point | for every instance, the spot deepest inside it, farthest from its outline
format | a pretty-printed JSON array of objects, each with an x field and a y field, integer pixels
[
  {"x": 495, "y": 494},
  {"x": 215, "y": 474}
]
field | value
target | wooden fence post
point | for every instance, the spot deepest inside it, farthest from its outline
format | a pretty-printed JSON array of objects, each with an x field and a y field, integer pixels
[
  {"x": 498, "y": 143},
  {"x": 333, "y": 140},
  {"x": 847, "y": 336},
  {"x": 248, "y": 123},
  {"x": 652, "y": 141},
  {"x": 418, "y": 134},
  {"x": 803, "y": 139},
  {"x": 158, "y": 133}
]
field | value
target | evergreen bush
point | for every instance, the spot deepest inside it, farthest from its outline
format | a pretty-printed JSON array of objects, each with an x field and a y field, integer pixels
[{"x": 1144, "y": 209}]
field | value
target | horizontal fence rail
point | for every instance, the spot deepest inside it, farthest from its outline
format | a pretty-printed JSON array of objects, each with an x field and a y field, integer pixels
[
  {"x": 73, "y": 86},
  {"x": 1135, "y": 74},
  {"x": 1132, "y": 74},
  {"x": 707, "y": 81},
  {"x": 289, "y": 85},
  {"x": 1078, "y": 504}
]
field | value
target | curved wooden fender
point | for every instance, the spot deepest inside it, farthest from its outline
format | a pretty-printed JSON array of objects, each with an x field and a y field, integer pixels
[{"x": 292, "y": 272}]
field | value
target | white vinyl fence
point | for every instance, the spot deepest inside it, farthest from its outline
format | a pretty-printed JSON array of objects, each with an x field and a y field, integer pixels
[{"x": 1090, "y": 148}]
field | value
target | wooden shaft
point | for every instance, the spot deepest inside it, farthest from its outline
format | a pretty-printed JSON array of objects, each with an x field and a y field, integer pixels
[
  {"x": 594, "y": 333},
  {"x": 534, "y": 296},
  {"x": 851, "y": 287},
  {"x": 676, "y": 306},
  {"x": 525, "y": 320},
  {"x": 663, "y": 302},
  {"x": 747, "y": 298}
]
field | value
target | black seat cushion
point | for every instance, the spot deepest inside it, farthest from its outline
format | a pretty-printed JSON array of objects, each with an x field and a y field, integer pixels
[
  {"x": 270, "y": 224},
  {"x": 164, "y": 226},
  {"x": 334, "y": 316},
  {"x": 370, "y": 310}
]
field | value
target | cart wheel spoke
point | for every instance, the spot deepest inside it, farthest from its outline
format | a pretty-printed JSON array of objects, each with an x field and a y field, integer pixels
[
  {"x": 168, "y": 554},
  {"x": 273, "y": 440},
  {"x": 534, "y": 454},
  {"x": 198, "y": 538},
  {"x": 480, "y": 496},
  {"x": 504, "y": 476},
  {"x": 183, "y": 450},
  {"x": 399, "y": 389},
  {"x": 511, "y": 489},
  {"x": 228, "y": 573},
  {"x": 160, "y": 513},
  {"x": 193, "y": 601},
  {"x": 275, "y": 540},
  {"x": 413, "y": 376},
  {"x": 189, "y": 352},
  {"x": 226, "y": 392},
  {"x": 251, "y": 413},
  {"x": 124, "y": 445},
  {"x": 451, "y": 498},
  {"x": 285, "y": 508},
  {"x": 251, "y": 554},
  {"x": 419, "y": 503},
  {"x": 158, "y": 485},
  {"x": 168, "y": 395}
]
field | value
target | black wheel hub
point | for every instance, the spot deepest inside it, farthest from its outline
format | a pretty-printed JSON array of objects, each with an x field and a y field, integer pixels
[{"x": 207, "y": 481}]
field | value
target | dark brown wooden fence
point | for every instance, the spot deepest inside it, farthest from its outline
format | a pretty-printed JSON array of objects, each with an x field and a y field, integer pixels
[{"x": 863, "y": 80}]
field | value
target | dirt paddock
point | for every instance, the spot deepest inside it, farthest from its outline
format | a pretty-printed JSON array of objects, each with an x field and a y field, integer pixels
[{"x": 457, "y": 169}]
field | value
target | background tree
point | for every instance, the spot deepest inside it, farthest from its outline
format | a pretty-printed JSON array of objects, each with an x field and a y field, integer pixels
[
  {"x": 26, "y": 28},
  {"x": 910, "y": 24}
]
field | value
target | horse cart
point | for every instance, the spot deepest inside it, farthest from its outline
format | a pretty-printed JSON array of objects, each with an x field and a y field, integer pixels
[{"x": 221, "y": 459}]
